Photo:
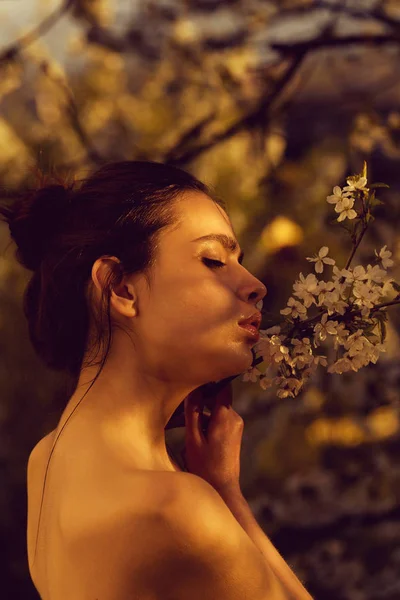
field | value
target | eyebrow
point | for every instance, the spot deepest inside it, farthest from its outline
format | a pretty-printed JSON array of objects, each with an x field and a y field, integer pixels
[{"x": 229, "y": 243}]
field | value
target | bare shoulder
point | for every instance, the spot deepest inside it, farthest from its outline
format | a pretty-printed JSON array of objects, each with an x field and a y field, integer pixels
[
  {"x": 199, "y": 550},
  {"x": 41, "y": 449},
  {"x": 35, "y": 473},
  {"x": 171, "y": 536}
]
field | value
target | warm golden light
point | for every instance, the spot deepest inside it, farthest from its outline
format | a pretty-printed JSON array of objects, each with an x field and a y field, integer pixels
[
  {"x": 379, "y": 425},
  {"x": 279, "y": 233}
]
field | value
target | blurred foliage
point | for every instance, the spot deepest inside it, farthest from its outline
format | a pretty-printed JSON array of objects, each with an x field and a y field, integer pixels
[{"x": 273, "y": 103}]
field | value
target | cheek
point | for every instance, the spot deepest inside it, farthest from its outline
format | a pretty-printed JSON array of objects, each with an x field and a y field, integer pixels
[{"x": 191, "y": 301}]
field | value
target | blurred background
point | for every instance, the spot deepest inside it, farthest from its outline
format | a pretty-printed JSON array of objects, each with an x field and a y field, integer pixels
[{"x": 273, "y": 103}]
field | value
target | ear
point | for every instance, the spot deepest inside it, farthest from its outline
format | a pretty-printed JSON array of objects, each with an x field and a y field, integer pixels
[{"x": 123, "y": 298}]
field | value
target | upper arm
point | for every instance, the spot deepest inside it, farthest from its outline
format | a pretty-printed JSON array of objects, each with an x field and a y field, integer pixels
[{"x": 200, "y": 550}]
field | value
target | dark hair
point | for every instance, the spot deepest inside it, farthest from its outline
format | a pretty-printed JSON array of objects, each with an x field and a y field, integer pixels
[{"x": 61, "y": 228}]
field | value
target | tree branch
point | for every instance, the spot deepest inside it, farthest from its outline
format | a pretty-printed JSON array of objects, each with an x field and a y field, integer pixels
[
  {"x": 248, "y": 121},
  {"x": 9, "y": 53},
  {"x": 72, "y": 111},
  {"x": 378, "y": 14},
  {"x": 308, "y": 46}
]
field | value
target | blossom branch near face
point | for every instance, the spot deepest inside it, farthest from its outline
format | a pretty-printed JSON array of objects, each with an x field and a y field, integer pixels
[
  {"x": 349, "y": 310},
  {"x": 350, "y": 313}
]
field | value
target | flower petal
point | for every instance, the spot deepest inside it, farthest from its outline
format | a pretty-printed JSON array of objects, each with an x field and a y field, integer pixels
[
  {"x": 332, "y": 199},
  {"x": 323, "y": 251}
]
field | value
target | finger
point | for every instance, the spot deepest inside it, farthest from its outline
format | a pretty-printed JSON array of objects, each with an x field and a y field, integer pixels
[
  {"x": 225, "y": 396},
  {"x": 193, "y": 422},
  {"x": 196, "y": 397}
]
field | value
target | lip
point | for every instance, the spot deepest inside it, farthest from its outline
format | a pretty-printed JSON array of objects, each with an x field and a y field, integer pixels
[
  {"x": 253, "y": 331},
  {"x": 254, "y": 320}
]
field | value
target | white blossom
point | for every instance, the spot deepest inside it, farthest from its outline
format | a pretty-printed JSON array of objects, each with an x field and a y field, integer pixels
[
  {"x": 352, "y": 290},
  {"x": 387, "y": 287},
  {"x": 362, "y": 351},
  {"x": 340, "y": 366},
  {"x": 320, "y": 360},
  {"x": 356, "y": 183},
  {"x": 341, "y": 335},
  {"x": 323, "y": 288},
  {"x": 271, "y": 331},
  {"x": 384, "y": 255},
  {"x": 375, "y": 350},
  {"x": 294, "y": 309},
  {"x": 302, "y": 360},
  {"x": 375, "y": 273},
  {"x": 263, "y": 347},
  {"x": 306, "y": 288},
  {"x": 355, "y": 342},
  {"x": 266, "y": 382},
  {"x": 259, "y": 305},
  {"x": 252, "y": 375},
  {"x": 359, "y": 361},
  {"x": 356, "y": 274},
  {"x": 325, "y": 327},
  {"x": 320, "y": 259},
  {"x": 341, "y": 280},
  {"x": 339, "y": 273},
  {"x": 271, "y": 349},
  {"x": 334, "y": 303},
  {"x": 337, "y": 195},
  {"x": 288, "y": 386},
  {"x": 345, "y": 208},
  {"x": 302, "y": 353},
  {"x": 367, "y": 295},
  {"x": 302, "y": 345}
]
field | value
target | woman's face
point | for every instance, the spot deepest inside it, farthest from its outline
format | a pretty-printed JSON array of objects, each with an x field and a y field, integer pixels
[{"x": 187, "y": 321}]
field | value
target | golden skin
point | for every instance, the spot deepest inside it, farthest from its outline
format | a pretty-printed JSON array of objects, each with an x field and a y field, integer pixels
[{"x": 183, "y": 332}]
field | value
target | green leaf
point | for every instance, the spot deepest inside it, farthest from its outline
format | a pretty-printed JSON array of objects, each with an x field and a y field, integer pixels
[
  {"x": 381, "y": 316},
  {"x": 378, "y": 185},
  {"x": 374, "y": 201},
  {"x": 396, "y": 286},
  {"x": 369, "y": 328},
  {"x": 382, "y": 327},
  {"x": 370, "y": 218}
]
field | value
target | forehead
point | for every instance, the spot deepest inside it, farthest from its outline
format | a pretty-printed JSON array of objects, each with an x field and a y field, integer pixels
[{"x": 200, "y": 215}]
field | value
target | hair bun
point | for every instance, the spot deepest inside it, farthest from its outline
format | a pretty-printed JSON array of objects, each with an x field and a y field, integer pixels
[{"x": 38, "y": 217}]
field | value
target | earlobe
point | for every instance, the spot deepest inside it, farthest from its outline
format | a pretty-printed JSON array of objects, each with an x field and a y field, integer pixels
[{"x": 126, "y": 306}]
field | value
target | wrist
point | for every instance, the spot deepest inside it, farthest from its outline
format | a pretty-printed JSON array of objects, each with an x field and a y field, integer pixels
[{"x": 231, "y": 491}]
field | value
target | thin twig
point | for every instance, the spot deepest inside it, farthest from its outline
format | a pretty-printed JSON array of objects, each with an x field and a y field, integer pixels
[
  {"x": 247, "y": 121},
  {"x": 318, "y": 44},
  {"x": 11, "y": 51},
  {"x": 364, "y": 229},
  {"x": 72, "y": 110},
  {"x": 377, "y": 14}
]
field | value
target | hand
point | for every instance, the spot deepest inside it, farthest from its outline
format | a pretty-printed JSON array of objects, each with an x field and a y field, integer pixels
[{"x": 213, "y": 453}]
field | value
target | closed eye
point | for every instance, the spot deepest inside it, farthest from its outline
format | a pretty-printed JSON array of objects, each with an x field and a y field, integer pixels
[{"x": 213, "y": 264}]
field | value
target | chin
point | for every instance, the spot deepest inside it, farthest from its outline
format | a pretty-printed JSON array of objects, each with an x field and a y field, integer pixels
[{"x": 237, "y": 366}]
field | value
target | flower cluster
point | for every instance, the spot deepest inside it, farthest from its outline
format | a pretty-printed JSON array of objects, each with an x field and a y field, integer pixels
[{"x": 348, "y": 310}]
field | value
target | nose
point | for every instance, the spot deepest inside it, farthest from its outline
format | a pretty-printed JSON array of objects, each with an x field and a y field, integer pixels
[{"x": 253, "y": 291}]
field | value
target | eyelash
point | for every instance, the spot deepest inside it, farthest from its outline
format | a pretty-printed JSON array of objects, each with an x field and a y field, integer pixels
[{"x": 215, "y": 264}]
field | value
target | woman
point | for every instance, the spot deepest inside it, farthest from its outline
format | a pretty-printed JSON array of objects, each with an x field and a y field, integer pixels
[{"x": 137, "y": 270}]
